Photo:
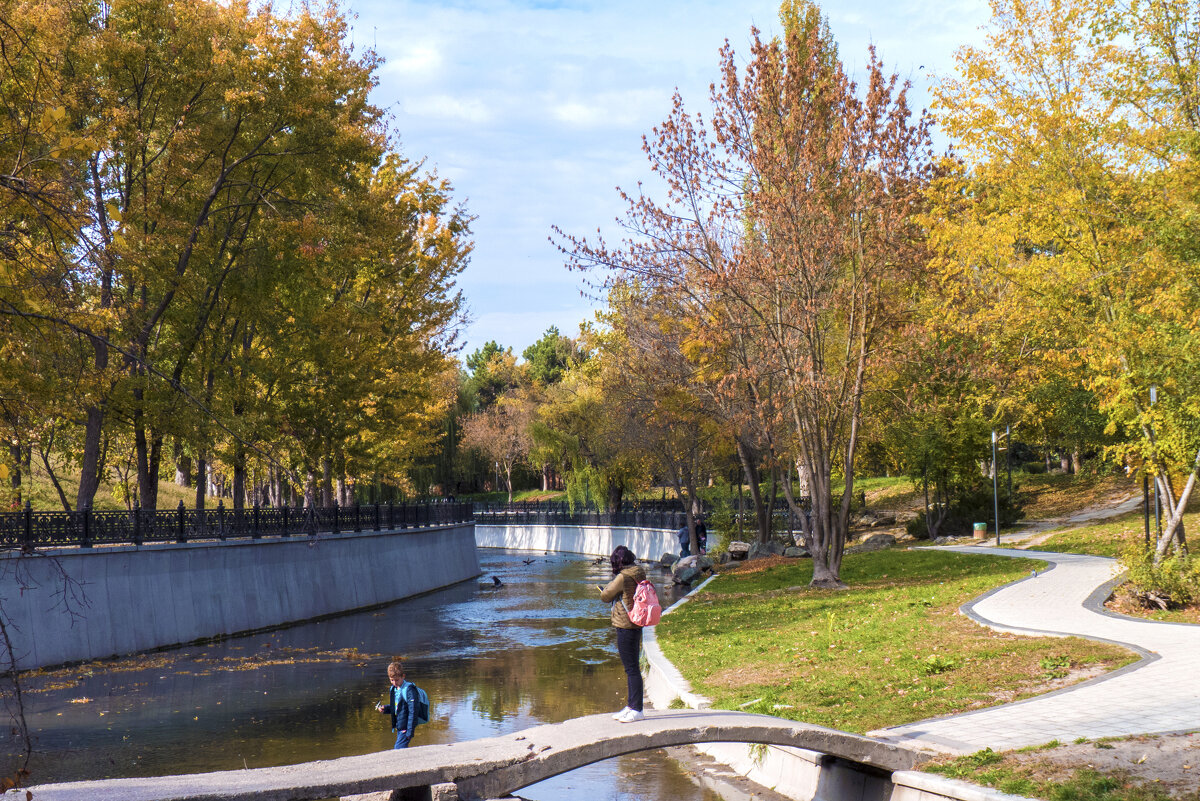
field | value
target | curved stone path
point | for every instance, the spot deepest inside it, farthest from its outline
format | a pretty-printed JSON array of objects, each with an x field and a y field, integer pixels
[{"x": 1158, "y": 694}]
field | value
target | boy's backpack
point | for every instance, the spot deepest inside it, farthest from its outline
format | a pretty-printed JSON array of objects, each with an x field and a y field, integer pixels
[
  {"x": 421, "y": 699},
  {"x": 646, "y": 610},
  {"x": 422, "y": 705}
]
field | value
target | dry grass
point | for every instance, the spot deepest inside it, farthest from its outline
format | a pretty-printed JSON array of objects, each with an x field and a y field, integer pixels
[{"x": 1046, "y": 497}]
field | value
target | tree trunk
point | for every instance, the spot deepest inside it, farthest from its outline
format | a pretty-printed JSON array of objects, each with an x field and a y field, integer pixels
[
  {"x": 326, "y": 482},
  {"x": 183, "y": 466},
  {"x": 15, "y": 451},
  {"x": 239, "y": 476},
  {"x": 616, "y": 493},
  {"x": 1076, "y": 461},
  {"x": 201, "y": 479},
  {"x": 762, "y": 515}
]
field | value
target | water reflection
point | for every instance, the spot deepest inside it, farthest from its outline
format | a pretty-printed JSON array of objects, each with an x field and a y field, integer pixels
[{"x": 493, "y": 661}]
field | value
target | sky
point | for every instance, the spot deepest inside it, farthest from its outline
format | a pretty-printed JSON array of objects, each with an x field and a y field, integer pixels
[{"x": 534, "y": 110}]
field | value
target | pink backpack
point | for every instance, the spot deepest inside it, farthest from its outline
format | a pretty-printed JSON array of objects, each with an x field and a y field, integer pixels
[{"x": 646, "y": 610}]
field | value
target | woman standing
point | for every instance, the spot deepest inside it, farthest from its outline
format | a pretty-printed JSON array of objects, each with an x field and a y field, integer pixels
[{"x": 619, "y": 592}]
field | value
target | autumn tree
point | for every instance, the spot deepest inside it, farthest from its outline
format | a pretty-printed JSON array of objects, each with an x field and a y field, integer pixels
[
  {"x": 1078, "y": 124},
  {"x": 211, "y": 247},
  {"x": 502, "y": 432},
  {"x": 788, "y": 220}
]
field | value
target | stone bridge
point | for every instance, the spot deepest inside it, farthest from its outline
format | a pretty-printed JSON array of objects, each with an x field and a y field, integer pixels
[{"x": 488, "y": 768}]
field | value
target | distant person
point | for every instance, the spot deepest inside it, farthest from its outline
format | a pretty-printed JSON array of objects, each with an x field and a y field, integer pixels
[
  {"x": 402, "y": 706},
  {"x": 685, "y": 542},
  {"x": 702, "y": 536},
  {"x": 619, "y": 592}
]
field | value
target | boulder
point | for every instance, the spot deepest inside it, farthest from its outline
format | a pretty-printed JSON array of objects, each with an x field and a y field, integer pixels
[
  {"x": 796, "y": 552},
  {"x": 667, "y": 560},
  {"x": 696, "y": 561},
  {"x": 738, "y": 550},
  {"x": 760, "y": 549},
  {"x": 688, "y": 576},
  {"x": 875, "y": 542}
]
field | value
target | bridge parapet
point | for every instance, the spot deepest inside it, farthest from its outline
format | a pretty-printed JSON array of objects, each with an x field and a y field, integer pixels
[{"x": 492, "y": 767}]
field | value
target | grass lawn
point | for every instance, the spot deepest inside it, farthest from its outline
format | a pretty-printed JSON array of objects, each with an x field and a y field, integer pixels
[
  {"x": 892, "y": 649},
  {"x": 40, "y": 492},
  {"x": 1047, "y": 496},
  {"x": 894, "y": 494},
  {"x": 1144, "y": 768}
]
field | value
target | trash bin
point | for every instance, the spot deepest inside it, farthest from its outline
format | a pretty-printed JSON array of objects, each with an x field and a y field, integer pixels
[{"x": 981, "y": 531}]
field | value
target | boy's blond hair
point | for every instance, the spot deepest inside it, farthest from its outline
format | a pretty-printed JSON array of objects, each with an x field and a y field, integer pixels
[{"x": 396, "y": 670}]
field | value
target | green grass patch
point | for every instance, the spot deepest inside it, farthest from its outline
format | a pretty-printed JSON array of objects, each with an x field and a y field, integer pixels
[
  {"x": 1048, "y": 496},
  {"x": 891, "y": 649},
  {"x": 1110, "y": 537},
  {"x": 1038, "y": 778},
  {"x": 896, "y": 493}
]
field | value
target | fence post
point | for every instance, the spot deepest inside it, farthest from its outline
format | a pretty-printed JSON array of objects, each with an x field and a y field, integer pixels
[
  {"x": 137, "y": 523},
  {"x": 220, "y": 519},
  {"x": 27, "y": 529},
  {"x": 86, "y": 542},
  {"x": 181, "y": 532},
  {"x": 357, "y": 516},
  {"x": 284, "y": 511},
  {"x": 336, "y": 525},
  {"x": 391, "y": 516},
  {"x": 254, "y": 523},
  {"x": 377, "y": 515}
]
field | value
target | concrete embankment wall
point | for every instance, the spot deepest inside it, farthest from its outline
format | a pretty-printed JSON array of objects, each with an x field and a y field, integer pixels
[
  {"x": 74, "y": 604},
  {"x": 646, "y": 543}
]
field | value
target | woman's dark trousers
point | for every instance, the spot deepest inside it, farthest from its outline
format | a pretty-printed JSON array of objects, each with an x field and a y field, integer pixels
[{"x": 629, "y": 646}]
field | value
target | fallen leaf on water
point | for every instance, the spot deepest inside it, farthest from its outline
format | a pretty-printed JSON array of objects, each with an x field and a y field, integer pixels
[{"x": 81, "y": 700}]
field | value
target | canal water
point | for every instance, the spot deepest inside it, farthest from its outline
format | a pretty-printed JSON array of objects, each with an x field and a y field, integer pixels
[{"x": 539, "y": 649}]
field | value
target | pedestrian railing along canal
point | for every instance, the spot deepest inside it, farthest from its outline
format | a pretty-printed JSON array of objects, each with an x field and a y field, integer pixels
[
  {"x": 555, "y": 513},
  {"x": 28, "y": 529}
]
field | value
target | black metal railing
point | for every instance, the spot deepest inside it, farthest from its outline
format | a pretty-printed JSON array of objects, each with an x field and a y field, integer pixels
[
  {"x": 28, "y": 530},
  {"x": 549, "y": 513}
]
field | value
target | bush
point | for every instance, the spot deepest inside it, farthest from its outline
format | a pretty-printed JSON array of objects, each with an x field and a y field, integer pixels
[
  {"x": 1173, "y": 582},
  {"x": 1035, "y": 468},
  {"x": 973, "y": 506}
]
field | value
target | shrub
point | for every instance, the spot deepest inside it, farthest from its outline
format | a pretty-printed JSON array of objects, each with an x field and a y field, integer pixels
[
  {"x": 972, "y": 506},
  {"x": 1173, "y": 582}
]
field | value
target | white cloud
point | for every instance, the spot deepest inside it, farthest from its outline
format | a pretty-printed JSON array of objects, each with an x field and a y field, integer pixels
[
  {"x": 448, "y": 107},
  {"x": 535, "y": 111},
  {"x": 421, "y": 61}
]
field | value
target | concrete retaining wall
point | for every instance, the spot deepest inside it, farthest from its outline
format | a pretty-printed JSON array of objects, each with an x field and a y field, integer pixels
[
  {"x": 128, "y": 599},
  {"x": 647, "y": 543}
]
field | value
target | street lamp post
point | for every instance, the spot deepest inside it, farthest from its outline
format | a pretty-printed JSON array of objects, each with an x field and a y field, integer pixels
[{"x": 995, "y": 489}]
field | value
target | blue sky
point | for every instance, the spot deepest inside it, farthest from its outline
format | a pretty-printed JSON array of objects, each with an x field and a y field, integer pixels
[{"x": 535, "y": 112}]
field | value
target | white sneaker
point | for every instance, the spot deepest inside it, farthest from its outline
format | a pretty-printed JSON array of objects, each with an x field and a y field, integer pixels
[
  {"x": 622, "y": 713},
  {"x": 631, "y": 716}
]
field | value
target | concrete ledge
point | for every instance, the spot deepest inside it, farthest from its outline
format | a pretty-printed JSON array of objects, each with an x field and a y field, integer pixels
[
  {"x": 127, "y": 599},
  {"x": 913, "y": 785},
  {"x": 647, "y": 543}
]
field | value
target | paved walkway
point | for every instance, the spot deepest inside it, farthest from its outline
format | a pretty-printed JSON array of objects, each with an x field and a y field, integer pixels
[{"x": 1160, "y": 693}]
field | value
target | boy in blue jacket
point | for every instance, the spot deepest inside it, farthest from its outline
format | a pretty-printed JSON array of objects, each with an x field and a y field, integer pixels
[{"x": 403, "y": 705}]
